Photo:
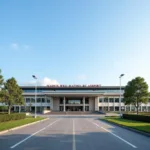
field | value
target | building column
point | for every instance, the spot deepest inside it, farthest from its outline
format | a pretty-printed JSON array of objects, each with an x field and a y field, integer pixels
[
  {"x": 64, "y": 104},
  {"x": 15, "y": 108},
  {"x": 51, "y": 103},
  {"x": 96, "y": 103},
  {"x": 147, "y": 108},
  {"x": 141, "y": 109},
  {"x": 84, "y": 104}
]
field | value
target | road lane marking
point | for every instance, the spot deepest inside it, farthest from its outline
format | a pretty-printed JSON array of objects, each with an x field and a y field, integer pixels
[
  {"x": 119, "y": 138},
  {"x": 96, "y": 124},
  {"x": 116, "y": 135},
  {"x": 73, "y": 138},
  {"x": 93, "y": 123},
  {"x": 33, "y": 134}
]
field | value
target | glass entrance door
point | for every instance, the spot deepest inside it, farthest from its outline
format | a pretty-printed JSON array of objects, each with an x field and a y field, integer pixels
[{"x": 74, "y": 108}]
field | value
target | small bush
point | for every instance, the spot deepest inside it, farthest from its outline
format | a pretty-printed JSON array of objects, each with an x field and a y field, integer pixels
[
  {"x": 16, "y": 116},
  {"x": 3, "y": 108},
  {"x": 137, "y": 117}
]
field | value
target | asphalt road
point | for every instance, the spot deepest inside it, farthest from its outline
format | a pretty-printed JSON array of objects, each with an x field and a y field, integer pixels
[{"x": 73, "y": 133}]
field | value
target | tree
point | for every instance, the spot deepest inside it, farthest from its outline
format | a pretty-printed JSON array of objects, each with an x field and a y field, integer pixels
[
  {"x": 1, "y": 79},
  {"x": 1, "y": 82},
  {"x": 11, "y": 94},
  {"x": 136, "y": 92}
]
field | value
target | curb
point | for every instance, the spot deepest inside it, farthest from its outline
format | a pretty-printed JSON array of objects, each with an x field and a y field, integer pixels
[
  {"x": 15, "y": 128},
  {"x": 128, "y": 128}
]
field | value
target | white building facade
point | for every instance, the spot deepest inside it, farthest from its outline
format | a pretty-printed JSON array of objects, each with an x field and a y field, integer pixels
[{"x": 75, "y": 98}]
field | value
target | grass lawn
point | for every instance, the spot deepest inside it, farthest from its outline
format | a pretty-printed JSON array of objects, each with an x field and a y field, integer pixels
[
  {"x": 142, "y": 126},
  {"x": 140, "y": 113},
  {"x": 16, "y": 123}
]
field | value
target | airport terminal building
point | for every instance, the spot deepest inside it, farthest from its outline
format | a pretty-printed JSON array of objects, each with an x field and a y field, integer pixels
[{"x": 75, "y": 98}]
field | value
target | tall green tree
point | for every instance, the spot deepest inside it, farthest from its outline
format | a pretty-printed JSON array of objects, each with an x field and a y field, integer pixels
[
  {"x": 136, "y": 92},
  {"x": 11, "y": 94},
  {"x": 1, "y": 79},
  {"x": 1, "y": 83}
]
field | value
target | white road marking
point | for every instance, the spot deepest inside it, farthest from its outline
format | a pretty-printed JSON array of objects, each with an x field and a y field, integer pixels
[
  {"x": 119, "y": 138},
  {"x": 96, "y": 124},
  {"x": 116, "y": 136},
  {"x": 93, "y": 123},
  {"x": 74, "y": 139},
  {"x": 33, "y": 134}
]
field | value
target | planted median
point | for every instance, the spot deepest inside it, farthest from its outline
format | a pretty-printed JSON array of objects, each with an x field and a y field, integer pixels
[
  {"x": 16, "y": 123},
  {"x": 141, "y": 126}
]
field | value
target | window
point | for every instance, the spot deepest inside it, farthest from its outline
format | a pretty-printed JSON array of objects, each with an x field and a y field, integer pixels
[
  {"x": 31, "y": 91},
  {"x": 106, "y": 100},
  {"x": 27, "y": 100},
  {"x": 100, "y": 100},
  {"x": 86, "y": 100},
  {"x": 116, "y": 100},
  {"x": 48, "y": 107},
  {"x": 100, "y": 109},
  {"x": 122, "y": 108},
  {"x": 127, "y": 108},
  {"x": 132, "y": 108},
  {"x": 38, "y": 100},
  {"x": 61, "y": 100},
  {"x": 149, "y": 108},
  {"x": 48, "y": 100},
  {"x": 105, "y": 108},
  {"x": 116, "y": 108},
  {"x": 144, "y": 108},
  {"x": 32, "y": 100},
  {"x": 86, "y": 108},
  {"x": 111, "y": 100},
  {"x": 43, "y": 100},
  {"x": 111, "y": 108},
  {"x": 61, "y": 108},
  {"x": 74, "y": 102}
]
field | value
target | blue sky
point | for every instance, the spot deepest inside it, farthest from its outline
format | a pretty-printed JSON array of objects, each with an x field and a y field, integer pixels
[{"x": 75, "y": 42}]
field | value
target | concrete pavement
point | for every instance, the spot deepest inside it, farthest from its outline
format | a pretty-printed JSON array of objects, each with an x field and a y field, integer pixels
[{"x": 73, "y": 133}]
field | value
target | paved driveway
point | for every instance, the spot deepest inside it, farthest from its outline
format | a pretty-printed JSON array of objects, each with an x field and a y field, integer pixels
[{"x": 73, "y": 133}]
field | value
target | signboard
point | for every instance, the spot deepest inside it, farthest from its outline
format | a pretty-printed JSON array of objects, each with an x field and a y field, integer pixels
[{"x": 94, "y": 86}]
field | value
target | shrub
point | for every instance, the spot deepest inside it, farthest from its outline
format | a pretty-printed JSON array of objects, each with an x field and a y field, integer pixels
[
  {"x": 8, "y": 117},
  {"x": 3, "y": 108},
  {"x": 137, "y": 117}
]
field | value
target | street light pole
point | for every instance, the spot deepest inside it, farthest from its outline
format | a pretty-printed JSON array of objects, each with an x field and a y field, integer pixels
[
  {"x": 120, "y": 95},
  {"x": 35, "y": 92}
]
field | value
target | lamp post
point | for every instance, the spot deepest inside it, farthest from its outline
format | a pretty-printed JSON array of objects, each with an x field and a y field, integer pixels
[
  {"x": 35, "y": 93},
  {"x": 120, "y": 95}
]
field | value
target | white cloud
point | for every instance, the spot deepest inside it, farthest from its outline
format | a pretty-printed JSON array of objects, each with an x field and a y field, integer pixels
[
  {"x": 82, "y": 77},
  {"x": 48, "y": 81},
  {"x": 43, "y": 82},
  {"x": 14, "y": 46}
]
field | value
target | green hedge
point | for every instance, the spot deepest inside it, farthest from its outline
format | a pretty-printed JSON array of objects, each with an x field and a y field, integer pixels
[
  {"x": 137, "y": 117},
  {"x": 16, "y": 116},
  {"x": 3, "y": 108}
]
